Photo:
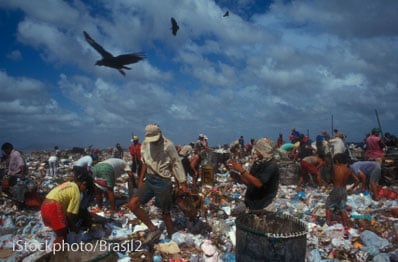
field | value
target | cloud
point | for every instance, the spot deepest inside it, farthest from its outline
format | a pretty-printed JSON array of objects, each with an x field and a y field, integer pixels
[
  {"x": 15, "y": 55},
  {"x": 259, "y": 72}
]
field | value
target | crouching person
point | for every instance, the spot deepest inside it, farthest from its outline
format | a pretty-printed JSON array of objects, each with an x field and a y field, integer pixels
[{"x": 60, "y": 208}]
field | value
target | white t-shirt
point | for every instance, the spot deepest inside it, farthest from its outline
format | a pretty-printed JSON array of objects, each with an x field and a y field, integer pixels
[
  {"x": 338, "y": 145},
  {"x": 119, "y": 166},
  {"x": 85, "y": 161}
]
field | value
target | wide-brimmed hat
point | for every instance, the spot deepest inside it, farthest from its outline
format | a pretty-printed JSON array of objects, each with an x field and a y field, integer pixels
[{"x": 152, "y": 133}]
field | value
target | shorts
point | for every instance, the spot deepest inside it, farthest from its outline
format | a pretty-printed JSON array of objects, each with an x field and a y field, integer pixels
[
  {"x": 53, "y": 215},
  {"x": 158, "y": 187},
  {"x": 104, "y": 175},
  {"x": 375, "y": 175},
  {"x": 308, "y": 168},
  {"x": 337, "y": 199}
]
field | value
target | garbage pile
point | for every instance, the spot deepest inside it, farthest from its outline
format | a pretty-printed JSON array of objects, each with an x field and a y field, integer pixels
[{"x": 211, "y": 234}]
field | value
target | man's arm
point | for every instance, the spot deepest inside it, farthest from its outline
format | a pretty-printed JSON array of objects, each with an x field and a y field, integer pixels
[{"x": 356, "y": 181}]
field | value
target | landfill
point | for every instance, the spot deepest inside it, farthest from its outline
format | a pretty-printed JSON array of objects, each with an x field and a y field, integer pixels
[{"x": 209, "y": 235}]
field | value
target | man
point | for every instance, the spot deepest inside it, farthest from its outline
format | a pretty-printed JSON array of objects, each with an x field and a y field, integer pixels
[
  {"x": 60, "y": 208},
  {"x": 263, "y": 179},
  {"x": 337, "y": 144},
  {"x": 369, "y": 173},
  {"x": 336, "y": 201},
  {"x": 374, "y": 147},
  {"x": 105, "y": 174},
  {"x": 117, "y": 151},
  {"x": 17, "y": 171},
  {"x": 135, "y": 153},
  {"x": 83, "y": 165},
  {"x": 160, "y": 162},
  {"x": 311, "y": 165}
]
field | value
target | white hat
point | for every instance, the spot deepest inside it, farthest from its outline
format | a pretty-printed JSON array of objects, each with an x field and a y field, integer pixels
[{"x": 152, "y": 133}]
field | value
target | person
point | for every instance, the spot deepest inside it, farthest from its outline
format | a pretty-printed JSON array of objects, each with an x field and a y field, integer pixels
[
  {"x": 336, "y": 201},
  {"x": 337, "y": 144},
  {"x": 117, "y": 151},
  {"x": 83, "y": 165},
  {"x": 289, "y": 150},
  {"x": 241, "y": 142},
  {"x": 185, "y": 155},
  {"x": 294, "y": 135},
  {"x": 369, "y": 173},
  {"x": 53, "y": 161},
  {"x": 279, "y": 142},
  {"x": 60, "y": 208},
  {"x": 325, "y": 135},
  {"x": 311, "y": 165},
  {"x": 304, "y": 149},
  {"x": 390, "y": 140},
  {"x": 160, "y": 162},
  {"x": 202, "y": 142},
  {"x": 374, "y": 147},
  {"x": 135, "y": 153},
  {"x": 16, "y": 173},
  {"x": 249, "y": 146},
  {"x": 263, "y": 178},
  {"x": 105, "y": 174},
  {"x": 16, "y": 163}
]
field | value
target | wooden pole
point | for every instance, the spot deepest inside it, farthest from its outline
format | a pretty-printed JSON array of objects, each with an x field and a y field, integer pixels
[{"x": 378, "y": 122}]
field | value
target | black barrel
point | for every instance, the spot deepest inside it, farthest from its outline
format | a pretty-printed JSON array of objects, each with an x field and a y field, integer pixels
[{"x": 268, "y": 236}]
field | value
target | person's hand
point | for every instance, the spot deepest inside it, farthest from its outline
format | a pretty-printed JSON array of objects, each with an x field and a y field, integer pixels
[
  {"x": 234, "y": 165},
  {"x": 184, "y": 188}
]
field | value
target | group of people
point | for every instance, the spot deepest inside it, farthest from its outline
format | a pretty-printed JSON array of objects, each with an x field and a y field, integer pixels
[
  {"x": 158, "y": 166},
  {"x": 331, "y": 154}
]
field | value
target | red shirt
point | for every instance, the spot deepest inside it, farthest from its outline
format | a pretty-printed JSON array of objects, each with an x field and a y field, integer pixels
[{"x": 135, "y": 151}]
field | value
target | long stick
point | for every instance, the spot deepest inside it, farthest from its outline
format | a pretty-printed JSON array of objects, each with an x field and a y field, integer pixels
[
  {"x": 378, "y": 122},
  {"x": 332, "y": 126}
]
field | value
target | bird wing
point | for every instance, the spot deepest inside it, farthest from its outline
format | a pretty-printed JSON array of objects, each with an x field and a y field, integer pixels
[
  {"x": 129, "y": 58},
  {"x": 174, "y": 26},
  {"x": 96, "y": 46},
  {"x": 226, "y": 14}
]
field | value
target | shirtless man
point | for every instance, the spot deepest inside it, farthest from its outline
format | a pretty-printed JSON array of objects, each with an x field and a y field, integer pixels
[
  {"x": 311, "y": 165},
  {"x": 337, "y": 198}
]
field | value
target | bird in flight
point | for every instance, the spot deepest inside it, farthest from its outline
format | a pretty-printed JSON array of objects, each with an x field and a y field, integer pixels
[
  {"x": 226, "y": 14},
  {"x": 118, "y": 62},
  {"x": 174, "y": 26}
]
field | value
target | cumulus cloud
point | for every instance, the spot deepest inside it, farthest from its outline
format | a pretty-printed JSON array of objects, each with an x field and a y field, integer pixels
[{"x": 259, "y": 72}]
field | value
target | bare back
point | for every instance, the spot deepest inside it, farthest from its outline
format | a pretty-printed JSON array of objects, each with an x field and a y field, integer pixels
[{"x": 341, "y": 174}]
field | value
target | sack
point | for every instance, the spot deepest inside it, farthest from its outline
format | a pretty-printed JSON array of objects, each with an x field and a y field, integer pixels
[{"x": 189, "y": 204}]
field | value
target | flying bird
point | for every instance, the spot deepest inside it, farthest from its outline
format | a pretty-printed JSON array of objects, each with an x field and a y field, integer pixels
[
  {"x": 174, "y": 26},
  {"x": 118, "y": 62},
  {"x": 226, "y": 14}
]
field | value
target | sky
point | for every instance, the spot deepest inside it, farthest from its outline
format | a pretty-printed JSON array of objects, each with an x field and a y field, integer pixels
[{"x": 266, "y": 68}]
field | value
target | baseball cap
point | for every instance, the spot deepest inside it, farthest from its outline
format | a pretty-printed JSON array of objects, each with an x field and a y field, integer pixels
[{"x": 152, "y": 133}]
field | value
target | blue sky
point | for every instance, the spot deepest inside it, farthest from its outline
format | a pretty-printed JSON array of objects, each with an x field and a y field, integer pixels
[{"x": 266, "y": 68}]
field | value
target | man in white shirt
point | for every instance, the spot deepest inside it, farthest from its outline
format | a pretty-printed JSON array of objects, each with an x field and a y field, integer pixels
[{"x": 160, "y": 163}]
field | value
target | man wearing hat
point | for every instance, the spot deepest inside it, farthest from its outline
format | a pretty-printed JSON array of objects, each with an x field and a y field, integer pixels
[
  {"x": 135, "y": 153},
  {"x": 160, "y": 162},
  {"x": 263, "y": 179}
]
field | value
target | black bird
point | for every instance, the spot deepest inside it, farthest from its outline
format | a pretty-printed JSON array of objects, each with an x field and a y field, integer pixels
[
  {"x": 174, "y": 26},
  {"x": 226, "y": 14},
  {"x": 118, "y": 62}
]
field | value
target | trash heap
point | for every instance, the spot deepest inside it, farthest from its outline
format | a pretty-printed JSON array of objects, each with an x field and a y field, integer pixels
[{"x": 211, "y": 236}]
